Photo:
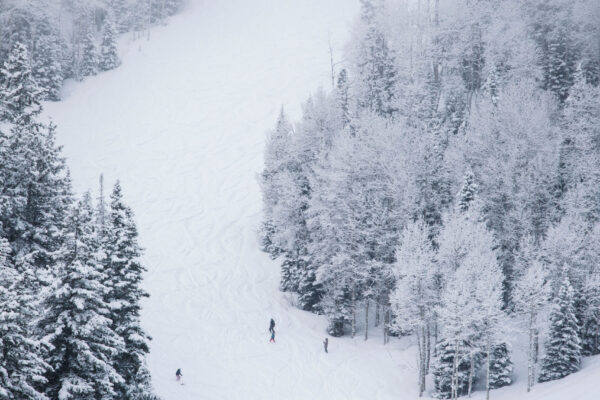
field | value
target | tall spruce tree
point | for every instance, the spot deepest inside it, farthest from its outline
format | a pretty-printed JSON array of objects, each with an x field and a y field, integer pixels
[
  {"x": 21, "y": 365},
  {"x": 109, "y": 55},
  {"x": 275, "y": 188},
  {"x": 124, "y": 272},
  {"x": 78, "y": 320},
  {"x": 501, "y": 367},
  {"x": 47, "y": 67},
  {"x": 451, "y": 369},
  {"x": 376, "y": 66},
  {"x": 467, "y": 191},
  {"x": 89, "y": 55},
  {"x": 36, "y": 188},
  {"x": 122, "y": 15},
  {"x": 19, "y": 92},
  {"x": 563, "y": 348}
]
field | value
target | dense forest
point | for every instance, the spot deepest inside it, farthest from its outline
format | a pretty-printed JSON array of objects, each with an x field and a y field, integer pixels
[
  {"x": 74, "y": 38},
  {"x": 449, "y": 181},
  {"x": 70, "y": 268}
]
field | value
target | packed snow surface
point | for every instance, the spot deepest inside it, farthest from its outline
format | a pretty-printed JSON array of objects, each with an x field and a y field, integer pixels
[{"x": 182, "y": 124}]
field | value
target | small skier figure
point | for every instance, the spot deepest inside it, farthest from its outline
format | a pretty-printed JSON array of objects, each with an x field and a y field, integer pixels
[
  {"x": 178, "y": 374},
  {"x": 271, "y": 325},
  {"x": 325, "y": 344},
  {"x": 272, "y": 340}
]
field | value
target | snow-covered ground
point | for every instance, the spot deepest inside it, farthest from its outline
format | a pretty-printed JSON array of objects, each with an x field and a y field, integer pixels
[{"x": 182, "y": 124}]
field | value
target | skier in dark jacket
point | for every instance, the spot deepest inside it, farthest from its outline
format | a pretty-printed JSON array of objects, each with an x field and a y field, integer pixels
[
  {"x": 271, "y": 325},
  {"x": 178, "y": 374},
  {"x": 325, "y": 344}
]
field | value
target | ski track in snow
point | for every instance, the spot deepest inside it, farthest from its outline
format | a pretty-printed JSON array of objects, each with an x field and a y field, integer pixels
[{"x": 182, "y": 124}]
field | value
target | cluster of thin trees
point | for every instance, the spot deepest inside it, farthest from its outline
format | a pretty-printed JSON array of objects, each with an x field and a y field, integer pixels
[{"x": 448, "y": 182}]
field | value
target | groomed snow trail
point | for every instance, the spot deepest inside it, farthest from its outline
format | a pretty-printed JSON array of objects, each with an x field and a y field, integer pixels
[{"x": 182, "y": 124}]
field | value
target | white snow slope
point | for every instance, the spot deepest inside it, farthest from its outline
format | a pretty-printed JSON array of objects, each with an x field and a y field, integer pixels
[{"x": 182, "y": 124}]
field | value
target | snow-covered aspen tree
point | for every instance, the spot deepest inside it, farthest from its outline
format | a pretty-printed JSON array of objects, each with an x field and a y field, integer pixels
[
  {"x": 414, "y": 299},
  {"x": 531, "y": 295}
]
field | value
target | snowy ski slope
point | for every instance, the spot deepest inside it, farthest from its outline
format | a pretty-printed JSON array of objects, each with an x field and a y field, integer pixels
[{"x": 182, "y": 123}]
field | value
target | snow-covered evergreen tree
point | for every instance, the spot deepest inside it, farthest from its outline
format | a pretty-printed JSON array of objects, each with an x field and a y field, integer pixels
[
  {"x": 36, "y": 186},
  {"x": 343, "y": 97},
  {"x": 501, "y": 366},
  {"x": 21, "y": 364},
  {"x": 119, "y": 9},
  {"x": 47, "y": 66},
  {"x": 19, "y": 92},
  {"x": 77, "y": 319},
  {"x": 88, "y": 65},
  {"x": 451, "y": 369},
  {"x": 557, "y": 59},
  {"x": 563, "y": 347},
  {"x": 467, "y": 191},
  {"x": 277, "y": 162},
  {"x": 375, "y": 64},
  {"x": 124, "y": 273},
  {"x": 590, "y": 331},
  {"x": 109, "y": 55}
]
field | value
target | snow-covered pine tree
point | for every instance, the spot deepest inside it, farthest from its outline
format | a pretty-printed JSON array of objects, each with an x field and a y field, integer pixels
[
  {"x": 342, "y": 94},
  {"x": 109, "y": 55},
  {"x": 501, "y": 366},
  {"x": 88, "y": 65},
  {"x": 141, "y": 389},
  {"x": 77, "y": 319},
  {"x": 451, "y": 373},
  {"x": 289, "y": 275},
  {"x": 590, "y": 333},
  {"x": 123, "y": 278},
  {"x": 558, "y": 61},
  {"x": 309, "y": 290},
  {"x": 36, "y": 186},
  {"x": 161, "y": 9},
  {"x": 141, "y": 15},
  {"x": 375, "y": 64},
  {"x": 274, "y": 186},
  {"x": 581, "y": 129},
  {"x": 337, "y": 303},
  {"x": 47, "y": 66},
  {"x": 19, "y": 92},
  {"x": 119, "y": 9},
  {"x": 563, "y": 347},
  {"x": 467, "y": 191},
  {"x": 21, "y": 365},
  {"x": 172, "y": 6}
]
